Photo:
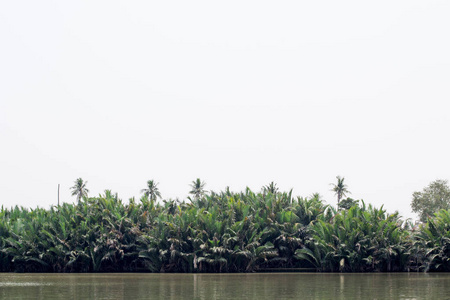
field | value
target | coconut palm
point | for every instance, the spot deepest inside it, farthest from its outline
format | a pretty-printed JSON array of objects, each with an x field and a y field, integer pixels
[
  {"x": 197, "y": 188},
  {"x": 79, "y": 189},
  {"x": 152, "y": 190},
  {"x": 271, "y": 188},
  {"x": 340, "y": 189}
]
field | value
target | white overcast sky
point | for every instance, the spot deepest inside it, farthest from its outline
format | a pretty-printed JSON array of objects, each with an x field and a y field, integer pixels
[{"x": 238, "y": 93}]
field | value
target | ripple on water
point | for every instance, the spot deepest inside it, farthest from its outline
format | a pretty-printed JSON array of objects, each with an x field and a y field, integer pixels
[{"x": 5, "y": 284}]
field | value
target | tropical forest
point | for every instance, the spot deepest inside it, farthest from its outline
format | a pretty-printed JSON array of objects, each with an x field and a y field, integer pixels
[{"x": 224, "y": 231}]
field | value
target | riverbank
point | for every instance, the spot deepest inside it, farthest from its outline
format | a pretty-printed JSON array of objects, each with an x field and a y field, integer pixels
[{"x": 220, "y": 232}]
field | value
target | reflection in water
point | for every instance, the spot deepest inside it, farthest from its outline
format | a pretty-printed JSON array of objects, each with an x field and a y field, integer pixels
[{"x": 225, "y": 286}]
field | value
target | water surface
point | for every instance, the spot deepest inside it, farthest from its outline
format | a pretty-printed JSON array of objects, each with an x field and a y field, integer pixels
[{"x": 225, "y": 286}]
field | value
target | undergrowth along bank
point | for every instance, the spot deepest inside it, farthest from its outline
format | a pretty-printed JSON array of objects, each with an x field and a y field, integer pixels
[{"x": 219, "y": 232}]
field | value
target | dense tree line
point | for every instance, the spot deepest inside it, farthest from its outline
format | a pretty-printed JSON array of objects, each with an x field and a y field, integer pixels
[{"x": 218, "y": 232}]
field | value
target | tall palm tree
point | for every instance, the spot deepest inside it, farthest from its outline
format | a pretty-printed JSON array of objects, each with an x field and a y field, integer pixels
[
  {"x": 340, "y": 189},
  {"x": 152, "y": 190},
  {"x": 79, "y": 189},
  {"x": 198, "y": 188}
]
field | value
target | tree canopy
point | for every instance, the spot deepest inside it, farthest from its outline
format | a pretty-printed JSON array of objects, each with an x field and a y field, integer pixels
[
  {"x": 152, "y": 190},
  {"x": 198, "y": 188},
  {"x": 348, "y": 203},
  {"x": 271, "y": 188},
  {"x": 431, "y": 199},
  {"x": 340, "y": 189},
  {"x": 79, "y": 189}
]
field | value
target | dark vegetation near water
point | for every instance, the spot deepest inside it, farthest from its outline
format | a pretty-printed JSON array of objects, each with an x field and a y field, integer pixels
[{"x": 218, "y": 232}]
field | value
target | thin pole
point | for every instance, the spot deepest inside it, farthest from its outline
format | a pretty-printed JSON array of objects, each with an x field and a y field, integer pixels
[{"x": 58, "y": 194}]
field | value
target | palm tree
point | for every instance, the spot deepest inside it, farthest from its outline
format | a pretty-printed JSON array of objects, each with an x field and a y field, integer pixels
[
  {"x": 197, "y": 188},
  {"x": 271, "y": 188},
  {"x": 79, "y": 189},
  {"x": 152, "y": 190},
  {"x": 340, "y": 189},
  {"x": 316, "y": 196}
]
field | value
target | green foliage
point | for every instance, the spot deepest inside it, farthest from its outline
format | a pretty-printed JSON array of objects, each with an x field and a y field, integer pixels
[
  {"x": 79, "y": 189},
  {"x": 340, "y": 188},
  {"x": 359, "y": 239},
  {"x": 434, "y": 197},
  {"x": 198, "y": 188},
  {"x": 347, "y": 203},
  {"x": 220, "y": 232},
  {"x": 432, "y": 243}
]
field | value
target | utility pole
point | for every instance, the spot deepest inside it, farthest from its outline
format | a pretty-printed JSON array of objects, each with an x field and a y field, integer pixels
[{"x": 58, "y": 194}]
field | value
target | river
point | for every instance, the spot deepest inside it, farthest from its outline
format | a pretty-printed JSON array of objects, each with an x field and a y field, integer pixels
[{"x": 226, "y": 286}]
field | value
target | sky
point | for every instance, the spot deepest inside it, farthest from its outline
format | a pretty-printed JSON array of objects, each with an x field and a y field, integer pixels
[{"x": 236, "y": 93}]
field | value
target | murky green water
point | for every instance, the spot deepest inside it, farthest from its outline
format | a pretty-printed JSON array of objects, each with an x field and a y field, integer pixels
[{"x": 225, "y": 286}]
